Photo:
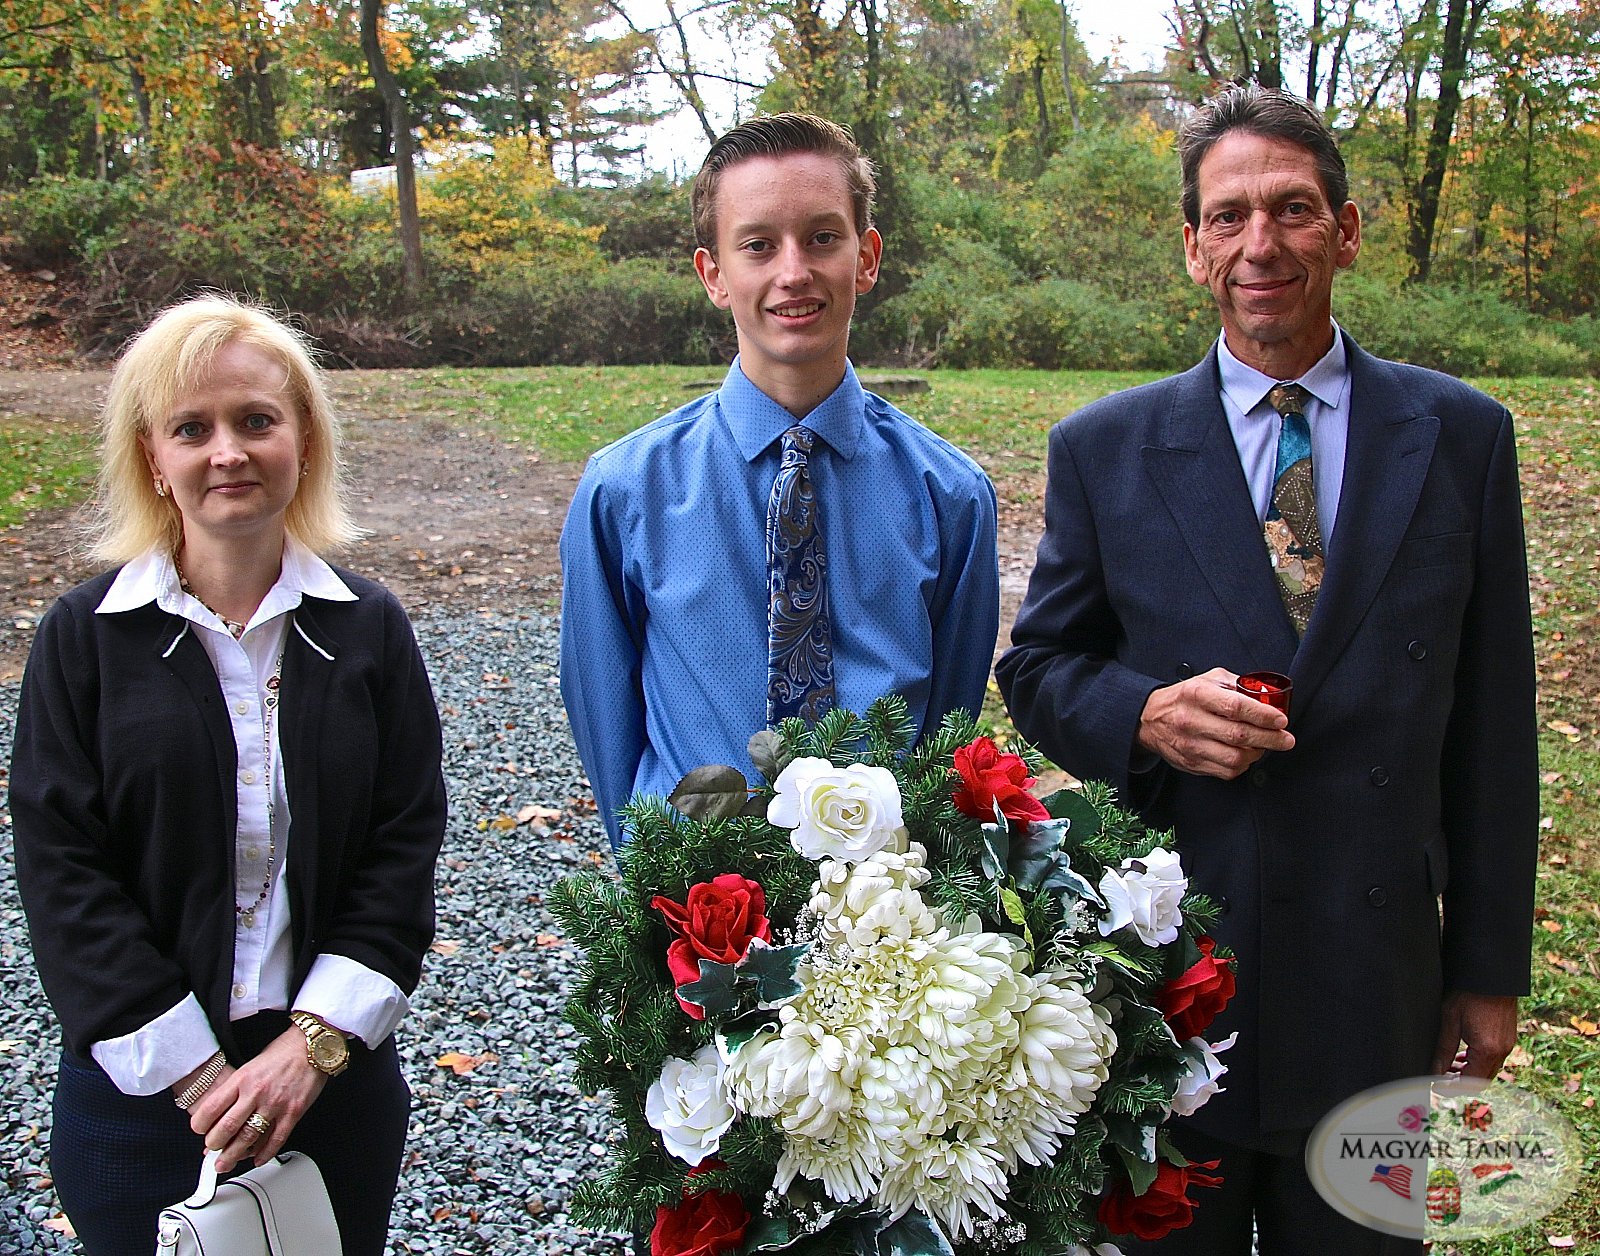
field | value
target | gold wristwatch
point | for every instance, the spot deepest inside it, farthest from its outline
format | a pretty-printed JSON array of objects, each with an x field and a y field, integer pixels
[{"x": 325, "y": 1046}]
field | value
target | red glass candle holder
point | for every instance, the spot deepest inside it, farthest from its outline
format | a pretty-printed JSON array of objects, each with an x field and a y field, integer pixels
[{"x": 1273, "y": 688}]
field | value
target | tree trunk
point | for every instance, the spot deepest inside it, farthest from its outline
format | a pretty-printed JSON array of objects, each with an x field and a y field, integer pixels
[
  {"x": 400, "y": 124},
  {"x": 1460, "y": 30},
  {"x": 1066, "y": 70}
]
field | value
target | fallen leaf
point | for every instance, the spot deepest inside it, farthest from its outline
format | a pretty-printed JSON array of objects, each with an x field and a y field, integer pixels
[
  {"x": 1573, "y": 1083},
  {"x": 531, "y": 812},
  {"x": 1585, "y": 1027},
  {"x": 1550, "y": 926},
  {"x": 1519, "y": 1057},
  {"x": 445, "y": 946},
  {"x": 458, "y": 1063},
  {"x": 443, "y": 1211},
  {"x": 503, "y": 823},
  {"x": 548, "y": 939},
  {"x": 1560, "y": 1240},
  {"x": 60, "y": 1225},
  {"x": 1570, "y": 731}
]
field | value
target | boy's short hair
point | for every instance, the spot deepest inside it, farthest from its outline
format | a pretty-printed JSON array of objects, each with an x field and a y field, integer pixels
[{"x": 778, "y": 135}]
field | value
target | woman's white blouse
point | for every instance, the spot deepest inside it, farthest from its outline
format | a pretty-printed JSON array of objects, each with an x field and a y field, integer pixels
[{"x": 338, "y": 989}]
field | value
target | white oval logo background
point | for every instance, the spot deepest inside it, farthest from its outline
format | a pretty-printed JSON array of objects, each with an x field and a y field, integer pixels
[{"x": 1443, "y": 1158}]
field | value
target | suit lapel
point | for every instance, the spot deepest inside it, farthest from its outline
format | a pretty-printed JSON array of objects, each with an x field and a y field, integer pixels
[
  {"x": 180, "y": 649},
  {"x": 1195, "y": 468},
  {"x": 1390, "y": 449}
]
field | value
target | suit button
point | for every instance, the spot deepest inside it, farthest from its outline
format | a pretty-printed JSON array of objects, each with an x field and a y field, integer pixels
[
  {"x": 1185, "y": 671},
  {"x": 1417, "y": 651},
  {"x": 1258, "y": 776},
  {"x": 1377, "y": 896},
  {"x": 1379, "y": 777}
]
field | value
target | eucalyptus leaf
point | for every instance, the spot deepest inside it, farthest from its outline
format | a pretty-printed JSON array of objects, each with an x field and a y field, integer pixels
[
  {"x": 772, "y": 970},
  {"x": 915, "y": 1234},
  {"x": 715, "y": 991},
  {"x": 770, "y": 753},
  {"x": 713, "y": 792},
  {"x": 1069, "y": 804}
]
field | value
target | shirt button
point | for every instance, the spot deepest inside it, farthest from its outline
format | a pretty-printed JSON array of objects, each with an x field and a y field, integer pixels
[
  {"x": 252, "y": 852},
  {"x": 241, "y": 706},
  {"x": 239, "y": 991},
  {"x": 247, "y": 776}
]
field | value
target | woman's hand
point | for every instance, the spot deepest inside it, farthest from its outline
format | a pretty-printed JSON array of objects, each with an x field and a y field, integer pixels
[{"x": 280, "y": 1084}]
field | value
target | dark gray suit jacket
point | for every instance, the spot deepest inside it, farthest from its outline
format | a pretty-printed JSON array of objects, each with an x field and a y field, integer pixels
[{"x": 1414, "y": 773}]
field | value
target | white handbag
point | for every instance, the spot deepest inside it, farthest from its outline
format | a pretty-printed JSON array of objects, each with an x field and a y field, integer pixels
[{"x": 278, "y": 1209}]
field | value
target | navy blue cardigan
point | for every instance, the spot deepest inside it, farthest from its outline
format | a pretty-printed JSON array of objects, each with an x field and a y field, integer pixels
[{"x": 123, "y": 805}]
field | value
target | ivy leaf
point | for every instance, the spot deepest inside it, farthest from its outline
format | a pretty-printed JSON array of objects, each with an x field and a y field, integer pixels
[
  {"x": 1034, "y": 852},
  {"x": 738, "y": 1033},
  {"x": 1069, "y": 804},
  {"x": 770, "y": 753},
  {"x": 996, "y": 847},
  {"x": 771, "y": 1234},
  {"x": 915, "y": 1234},
  {"x": 1132, "y": 1137},
  {"x": 772, "y": 969},
  {"x": 715, "y": 991},
  {"x": 1140, "y": 1172},
  {"x": 714, "y": 792}
]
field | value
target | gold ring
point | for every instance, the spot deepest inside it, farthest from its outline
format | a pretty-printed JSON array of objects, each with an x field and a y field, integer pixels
[{"x": 259, "y": 1123}]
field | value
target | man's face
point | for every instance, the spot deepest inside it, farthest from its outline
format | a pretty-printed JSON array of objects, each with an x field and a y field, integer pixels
[
  {"x": 1267, "y": 246},
  {"x": 789, "y": 265}
]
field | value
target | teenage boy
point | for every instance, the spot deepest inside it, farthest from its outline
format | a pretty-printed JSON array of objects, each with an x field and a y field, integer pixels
[{"x": 789, "y": 542}]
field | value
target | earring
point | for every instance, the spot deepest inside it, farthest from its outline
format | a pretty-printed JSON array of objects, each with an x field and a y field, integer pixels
[
  {"x": 161, "y": 487},
  {"x": 305, "y": 468}
]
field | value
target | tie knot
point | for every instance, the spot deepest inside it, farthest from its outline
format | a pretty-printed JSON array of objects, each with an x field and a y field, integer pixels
[
  {"x": 798, "y": 440},
  {"x": 1289, "y": 399}
]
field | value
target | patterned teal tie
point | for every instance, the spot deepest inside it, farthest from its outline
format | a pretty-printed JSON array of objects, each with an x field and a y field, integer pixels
[
  {"x": 799, "y": 634},
  {"x": 1294, "y": 538}
]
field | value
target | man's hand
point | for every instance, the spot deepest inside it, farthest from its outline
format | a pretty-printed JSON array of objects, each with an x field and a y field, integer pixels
[
  {"x": 1204, "y": 726},
  {"x": 280, "y": 1084},
  {"x": 1476, "y": 1033}
]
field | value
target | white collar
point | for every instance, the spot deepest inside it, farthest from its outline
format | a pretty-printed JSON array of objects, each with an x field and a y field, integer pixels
[{"x": 152, "y": 577}]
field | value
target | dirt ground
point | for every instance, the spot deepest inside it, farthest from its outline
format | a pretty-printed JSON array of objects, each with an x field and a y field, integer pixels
[{"x": 458, "y": 517}]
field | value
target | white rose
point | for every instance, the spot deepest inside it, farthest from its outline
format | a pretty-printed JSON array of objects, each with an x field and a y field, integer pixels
[
  {"x": 846, "y": 814},
  {"x": 689, "y": 1106},
  {"x": 1199, "y": 1082},
  {"x": 1146, "y": 895}
]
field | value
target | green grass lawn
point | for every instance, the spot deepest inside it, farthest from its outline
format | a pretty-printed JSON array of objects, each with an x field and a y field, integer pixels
[{"x": 1001, "y": 417}]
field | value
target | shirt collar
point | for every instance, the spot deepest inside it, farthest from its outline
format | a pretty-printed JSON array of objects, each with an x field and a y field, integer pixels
[
  {"x": 152, "y": 577},
  {"x": 1247, "y": 388},
  {"x": 756, "y": 420}
]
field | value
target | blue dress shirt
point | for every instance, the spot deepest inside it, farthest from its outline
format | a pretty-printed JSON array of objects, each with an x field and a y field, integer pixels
[
  {"x": 664, "y": 608},
  {"x": 1255, "y": 426}
]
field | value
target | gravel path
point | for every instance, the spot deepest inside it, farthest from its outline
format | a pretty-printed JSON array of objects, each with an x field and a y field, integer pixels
[{"x": 495, "y": 1151}]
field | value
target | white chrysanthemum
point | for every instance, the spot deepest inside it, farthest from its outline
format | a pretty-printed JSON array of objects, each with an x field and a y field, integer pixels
[
  {"x": 974, "y": 986},
  {"x": 689, "y": 1106},
  {"x": 948, "y": 1181},
  {"x": 804, "y": 1075},
  {"x": 848, "y": 1163},
  {"x": 844, "y": 813},
  {"x": 1066, "y": 1042}
]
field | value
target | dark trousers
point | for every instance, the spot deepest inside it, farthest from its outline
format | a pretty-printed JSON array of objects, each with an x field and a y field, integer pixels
[
  {"x": 1270, "y": 1194},
  {"x": 118, "y": 1159}
]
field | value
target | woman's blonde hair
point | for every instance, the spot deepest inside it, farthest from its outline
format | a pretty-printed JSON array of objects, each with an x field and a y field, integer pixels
[{"x": 176, "y": 349}]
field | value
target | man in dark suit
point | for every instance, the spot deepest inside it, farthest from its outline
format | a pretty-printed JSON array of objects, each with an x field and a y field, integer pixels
[{"x": 1384, "y": 572}]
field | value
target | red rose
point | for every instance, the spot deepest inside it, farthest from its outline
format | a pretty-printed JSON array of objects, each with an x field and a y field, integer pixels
[
  {"x": 717, "y": 922},
  {"x": 989, "y": 777},
  {"x": 1164, "y": 1207},
  {"x": 706, "y": 1224},
  {"x": 1190, "y": 1002}
]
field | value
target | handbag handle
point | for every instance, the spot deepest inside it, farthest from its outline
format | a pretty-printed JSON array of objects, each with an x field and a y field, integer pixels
[{"x": 206, "y": 1189}]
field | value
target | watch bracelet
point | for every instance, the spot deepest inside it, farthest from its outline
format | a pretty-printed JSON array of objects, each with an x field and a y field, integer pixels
[{"x": 202, "y": 1083}]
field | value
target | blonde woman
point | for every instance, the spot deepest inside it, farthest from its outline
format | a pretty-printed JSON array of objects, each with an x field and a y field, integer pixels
[{"x": 227, "y": 799}]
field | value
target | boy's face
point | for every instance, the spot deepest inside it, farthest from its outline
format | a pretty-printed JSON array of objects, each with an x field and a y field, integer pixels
[{"x": 789, "y": 266}]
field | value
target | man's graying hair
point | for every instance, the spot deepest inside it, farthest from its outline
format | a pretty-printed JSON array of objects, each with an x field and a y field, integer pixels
[
  {"x": 1259, "y": 111},
  {"x": 779, "y": 135}
]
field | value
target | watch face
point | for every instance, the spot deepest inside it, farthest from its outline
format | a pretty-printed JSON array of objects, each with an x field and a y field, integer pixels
[{"x": 329, "y": 1051}]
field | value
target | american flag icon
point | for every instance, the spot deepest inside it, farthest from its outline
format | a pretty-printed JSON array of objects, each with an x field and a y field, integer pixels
[{"x": 1397, "y": 1177}]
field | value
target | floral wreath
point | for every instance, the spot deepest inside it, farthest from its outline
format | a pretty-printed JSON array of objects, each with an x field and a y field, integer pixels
[{"x": 890, "y": 1001}]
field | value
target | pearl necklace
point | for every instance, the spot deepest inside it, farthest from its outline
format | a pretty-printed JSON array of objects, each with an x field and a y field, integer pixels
[
  {"x": 269, "y": 715},
  {"x": 234, "y": 627}
]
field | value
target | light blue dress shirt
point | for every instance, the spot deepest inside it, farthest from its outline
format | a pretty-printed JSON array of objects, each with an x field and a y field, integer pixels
[
  {"x": 664, "y": 606},
  {"x": 1255, "y": 426}
]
